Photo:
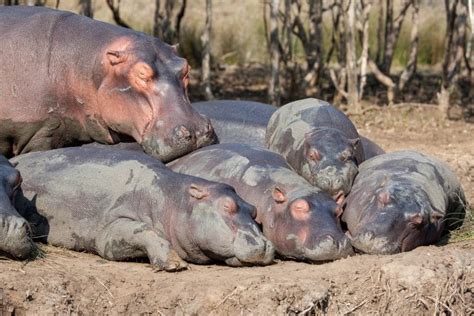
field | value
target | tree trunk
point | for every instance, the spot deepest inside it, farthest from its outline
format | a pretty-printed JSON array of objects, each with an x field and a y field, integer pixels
[
  {"x": 380, "y": 34},
  {"x": 206, "y": 59},
  {"x": 351, "y": 58},
  {"x": 456, "y": 15},
  {"x": 411, "y": 65},
  {"x": 313, "y": 48},
  {"x": 365, "y": 15},
  {"x": 392, "y": 32},
  {"x": 167, "y": 24},
  {"x": 86, "y": 8},
  {"x": 274, "y": 87}
]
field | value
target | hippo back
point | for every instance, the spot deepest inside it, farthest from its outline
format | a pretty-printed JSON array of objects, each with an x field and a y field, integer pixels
[{"x": 237, "y": 121}]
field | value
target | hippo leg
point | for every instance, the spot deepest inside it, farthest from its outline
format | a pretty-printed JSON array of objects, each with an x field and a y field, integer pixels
[
  {"x": 14, "y": 236},
  {"x": 125, "y": 239}
]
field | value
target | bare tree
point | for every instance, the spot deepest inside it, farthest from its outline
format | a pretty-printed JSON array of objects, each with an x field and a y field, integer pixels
[
  {"x": 311, "y": 40},
  {"x": 392, "y": 32},
  {"x": 86, "y": 8},
  {"x": 363, "y": 7},
  {"x": 456, "y": 16},
  {"x": 274, "y": 87},
  {"x": 351, "y": 57},
  {"x": 206, "y": 60},
  {"x": 168, "y": 20},
  {"x": 411, "y": 65},
  {"x": 116, "y": 13}
]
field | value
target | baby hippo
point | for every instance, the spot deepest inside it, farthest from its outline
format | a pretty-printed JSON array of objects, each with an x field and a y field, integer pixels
[
  {"x": 125, "y": 204},
  {"x": 402, "y": 200},
  {"x": 319, "y": 142},
  {"x": 299, "y": 219},
  {"x": 15, "y": 239}
]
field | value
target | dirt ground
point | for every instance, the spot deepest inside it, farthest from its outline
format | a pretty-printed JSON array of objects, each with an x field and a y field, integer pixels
[{"x": 427, "y": 280}]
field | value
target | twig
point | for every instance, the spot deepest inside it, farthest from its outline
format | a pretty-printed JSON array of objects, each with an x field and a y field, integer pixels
[
  {"x": 227, "y": 297},
  {"x": 356, "y": 307},
  {"x": 110, "y": 293}
]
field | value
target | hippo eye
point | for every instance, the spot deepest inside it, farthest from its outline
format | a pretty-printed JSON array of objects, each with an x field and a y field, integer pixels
[
  {"x": 346, "y": 156},
  {"x": 314, "y": 155}
]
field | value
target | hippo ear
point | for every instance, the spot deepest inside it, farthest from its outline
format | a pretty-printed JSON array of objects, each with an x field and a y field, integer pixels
[
  {"x": 279, "y": 195},
  {"x": 355, "y": 142},
  {"x": 436, "y": 217},
  {"x": 300, "y": 209},
  {"x": 116, "y": 57},
  {"x": 141, "y": 74},
  {"x": 175, "y": 48},
  {"x": 197, "y": 192}
]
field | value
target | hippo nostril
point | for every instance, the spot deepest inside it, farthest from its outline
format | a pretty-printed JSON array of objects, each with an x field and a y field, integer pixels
[{"x": 182, "y": 132}]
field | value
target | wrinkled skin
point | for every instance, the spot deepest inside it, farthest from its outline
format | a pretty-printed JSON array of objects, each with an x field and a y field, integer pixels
[
  {"x": 402, "y": 200},
  {"x": 124, "y": 204},
  {"x": 300, "y": 220},
  {"x": 15, "y": 238},
  {"x": 91, "y": 81},
  {"x": 319, "y": 142}
]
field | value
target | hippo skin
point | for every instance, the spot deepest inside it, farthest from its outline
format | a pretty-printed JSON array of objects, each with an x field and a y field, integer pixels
[
  {"x": 67, "y": 79},
  {"x": 318, "y": 141},
  {"x": 15, "y": 238},
  {"x": 123, "y": 204},
  {"x": 237, "y": 121},
  {"x": 402, "y": 200},
  {"x": 246, "y": 122},
  {"x": 299, "y": 219}
]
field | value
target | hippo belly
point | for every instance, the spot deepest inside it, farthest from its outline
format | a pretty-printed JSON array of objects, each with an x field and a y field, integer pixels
[
  {"x": 123, "y": 204},
  {"x": 242, "y": 122},
  {"x": 402, "y": 200},
  {"x": 15, "y": 238}
]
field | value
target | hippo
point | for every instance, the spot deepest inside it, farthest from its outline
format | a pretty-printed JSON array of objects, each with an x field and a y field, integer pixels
[
  {"x": 124, "y": 204},
  {"x": 237, "y": 121},
  {"x": 402, "y": 200},
  {"x": 67, "y": 79},
  {"x": 246, "y": 122},
  {"x": 15, "y": 238},
  {"x": 318, "y": 141},
  {"x": 300, "y": 220}
]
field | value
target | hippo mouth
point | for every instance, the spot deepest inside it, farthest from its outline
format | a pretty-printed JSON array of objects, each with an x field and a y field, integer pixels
[
  {"x": 369, "y": 244},
  {"x": 327, "y": 249}
]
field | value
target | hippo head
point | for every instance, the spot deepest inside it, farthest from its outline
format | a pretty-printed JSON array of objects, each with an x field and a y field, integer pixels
[
  {"x": 394, "y": 219},
  {"x": 305, "y": 226},
  {"x": 219, "y": 226},
  {"x": 144, "y": 95},
  {"x": 14, "y": 230},
  {"x": 329, "y": 160}
]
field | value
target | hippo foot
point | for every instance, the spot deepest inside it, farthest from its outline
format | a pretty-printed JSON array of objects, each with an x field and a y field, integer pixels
[
  {"x": 15, "y": 237},
  {"x": 173, "y": 264}
]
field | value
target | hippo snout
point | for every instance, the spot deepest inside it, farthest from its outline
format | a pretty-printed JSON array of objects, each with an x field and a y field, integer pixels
[
  {"x": 15, "y": 237},
  {"x": 368, "y": 242},
  {"x": 333, "y": 180},
  {"x": 207, "y": 135},
  {"x": 328, "y": 248},
  {"x": 253, "y": 249}
]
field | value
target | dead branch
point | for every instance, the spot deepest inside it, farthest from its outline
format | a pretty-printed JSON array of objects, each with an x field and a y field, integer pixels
[{"x": 116, "y": 13}]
